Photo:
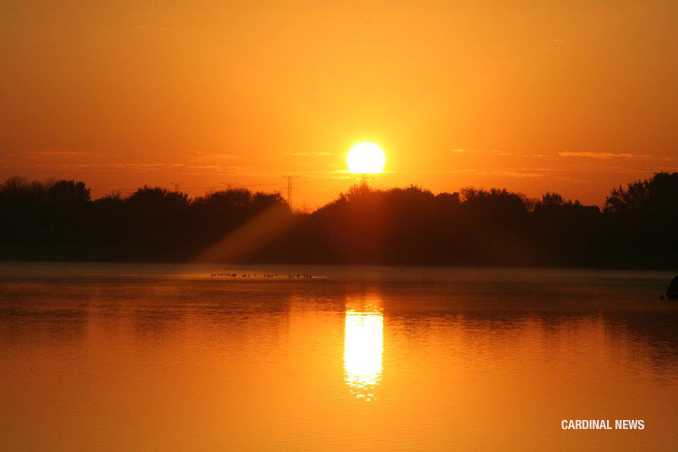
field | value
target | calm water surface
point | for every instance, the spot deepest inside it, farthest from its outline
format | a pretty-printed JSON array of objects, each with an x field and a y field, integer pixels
[{"x": 161, "y": 358}]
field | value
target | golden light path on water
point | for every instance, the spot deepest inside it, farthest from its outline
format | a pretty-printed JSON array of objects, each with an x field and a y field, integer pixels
[{"x": 363, "y": 347}]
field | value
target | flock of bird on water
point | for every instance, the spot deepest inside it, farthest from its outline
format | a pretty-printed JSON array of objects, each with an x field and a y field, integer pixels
[
  {"x": 265, "y": 275},
  {"x": 671, "y": 293}
]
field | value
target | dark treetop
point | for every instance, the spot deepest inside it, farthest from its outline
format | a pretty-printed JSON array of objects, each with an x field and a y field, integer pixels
[{"x": 58, "y": 220}]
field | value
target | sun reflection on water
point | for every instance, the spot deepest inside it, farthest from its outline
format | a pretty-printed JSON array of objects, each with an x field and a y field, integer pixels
[{"x": 363, "y": 347}]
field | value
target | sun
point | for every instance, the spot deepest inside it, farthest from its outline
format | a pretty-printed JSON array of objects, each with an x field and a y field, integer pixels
[{"x": 366, "y": 158}]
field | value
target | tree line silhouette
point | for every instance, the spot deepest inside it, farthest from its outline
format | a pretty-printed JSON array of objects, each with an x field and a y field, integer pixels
[{"x": 58, "y": 220}]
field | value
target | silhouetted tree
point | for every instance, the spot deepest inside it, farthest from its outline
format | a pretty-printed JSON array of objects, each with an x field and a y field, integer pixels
[
  {"x": 218, "y": 214},
  {"x": 552, "y": 202},
  {"x": 57, "y": 219},
  {"x": 39, "y": 218},
  {"x": 659, "y": 194},
  {"x": 643, "y": 220}
]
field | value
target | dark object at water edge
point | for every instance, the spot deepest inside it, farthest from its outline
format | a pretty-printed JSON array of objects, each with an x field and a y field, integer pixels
[{"x": 672, "y": 291}]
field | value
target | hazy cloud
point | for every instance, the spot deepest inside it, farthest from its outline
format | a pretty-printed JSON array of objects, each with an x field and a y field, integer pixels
[
  {"x": 49, "y": 161},
  {"x": 204, "y": 158},
  {"x": 304, "y": 154},
  {"x": 467, "y": 151},
  {"x": 51, "y": 153},
  {"x": 493, "y": 151},
  {"x": 521, "y": 174},
  {"x": 511, "y": 172},
  {"x": 60, "y": 155},
  {"x": 601, "y": 155}
]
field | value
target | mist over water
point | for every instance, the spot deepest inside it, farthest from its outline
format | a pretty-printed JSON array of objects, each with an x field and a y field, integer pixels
[{"x": 168, "y": 357}]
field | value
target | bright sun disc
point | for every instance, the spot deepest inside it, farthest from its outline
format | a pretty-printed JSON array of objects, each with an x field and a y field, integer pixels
[{"x": 366, "y": 158}]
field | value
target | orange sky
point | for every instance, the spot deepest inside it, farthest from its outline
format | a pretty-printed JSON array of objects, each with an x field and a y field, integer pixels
[{"x": 573, "y": 96}]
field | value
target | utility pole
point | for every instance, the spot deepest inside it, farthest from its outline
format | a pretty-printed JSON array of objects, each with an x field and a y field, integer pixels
[{"x": 290, "y": 188}]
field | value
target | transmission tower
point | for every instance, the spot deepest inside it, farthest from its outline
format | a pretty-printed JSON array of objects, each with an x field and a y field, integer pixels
[
  {"x": 290, "y": 188},
  {"x": 176, "y": 186},
  {"x": 365, "y": 181}
]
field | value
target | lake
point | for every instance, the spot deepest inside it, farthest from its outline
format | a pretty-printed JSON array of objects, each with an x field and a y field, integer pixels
[{"x": 114, "y": 357}]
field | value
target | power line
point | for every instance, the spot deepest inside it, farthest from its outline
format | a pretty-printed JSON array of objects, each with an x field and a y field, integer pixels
[
  {"x": 259, "y": 185},
  {"x": 113, "y": 189},
  {"x": 177, "y": 186}
]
